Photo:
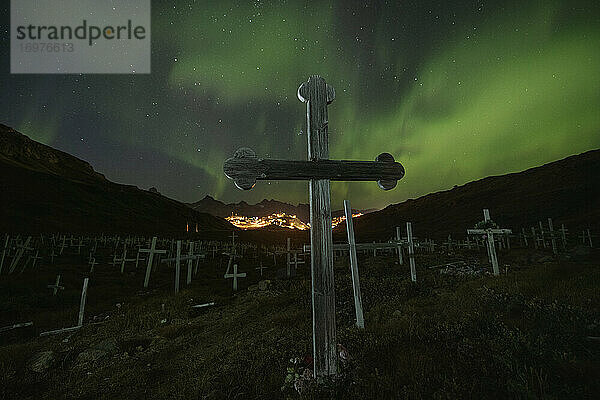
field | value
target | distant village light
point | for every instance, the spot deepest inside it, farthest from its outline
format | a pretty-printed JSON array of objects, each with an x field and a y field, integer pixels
[{"x": 278, "y": 219}]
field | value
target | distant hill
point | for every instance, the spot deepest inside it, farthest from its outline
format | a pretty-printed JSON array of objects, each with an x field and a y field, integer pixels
[
  {"x": 567, "y": 190},
  {"x": 264, "y": 208},
  {"x": 47, "y": 190}
]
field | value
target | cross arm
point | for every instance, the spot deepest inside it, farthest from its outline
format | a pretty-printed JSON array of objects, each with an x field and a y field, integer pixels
[{"x": 245, "y": 168}]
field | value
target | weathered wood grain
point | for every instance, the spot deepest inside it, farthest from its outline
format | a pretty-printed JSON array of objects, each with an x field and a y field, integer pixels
[
  {"x": 82, "y": 303},
  {"x": 360, "y": 320},
  {"x": 245, "y": 168},
  {"x": 317, "y": 95}
]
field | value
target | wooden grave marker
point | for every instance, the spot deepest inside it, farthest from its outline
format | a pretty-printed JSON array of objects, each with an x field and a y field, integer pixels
[
  {"x": 56, "y": 286},
  {"x": 489, "y": 233},
  {"x": 151, "y": 252},
  {"x": 245, "y": 168},
  {"x": 235, "y": 277}
]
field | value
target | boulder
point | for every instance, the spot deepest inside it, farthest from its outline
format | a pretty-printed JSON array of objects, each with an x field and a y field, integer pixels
[
  {"x": 110, "y": 346},
  {"x": 42, "y": 361},
  {"x": 264, "y": 285},
  {"x": 88, "y": 357}
]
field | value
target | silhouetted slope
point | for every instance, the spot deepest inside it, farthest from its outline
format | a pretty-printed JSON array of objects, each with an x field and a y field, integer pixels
[
  {"x": 46, "y": 190},
  {"x": 567, "y": 190}
]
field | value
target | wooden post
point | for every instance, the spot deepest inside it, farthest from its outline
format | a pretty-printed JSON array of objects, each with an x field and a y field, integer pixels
[
  {"x": 360, "y": 320},
  {"x": 190, "y": 262},
  {"x": 63, "y": 245},
  {"x": 229, "y": 263},
  {"x": 178, "y": 266},
  {"x": 4, "y": 252},
  {"x": 399, "y": 238},
  {"x": 16, "y": 326},
  {"x": 542, "y": 234},
  {"x": 92, "y": 263},
  {"x": 411, "y": 252},
  {"x": 492, "y": 253},
  {"x": 124, "y": 258},
  {"x": 490, "y": 245},
  {"x": 288, "y": 268},
  {"x": 552, "y": 238},
  {"x": 317, "y": 95},
  {"x": 82, "y": 303},
  {"x": 56, "y": 286},
  {"x": 563, "y": 235}
]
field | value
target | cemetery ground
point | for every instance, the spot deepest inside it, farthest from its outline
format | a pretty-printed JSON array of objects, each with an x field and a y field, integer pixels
[{"x": 532, "y": 332}]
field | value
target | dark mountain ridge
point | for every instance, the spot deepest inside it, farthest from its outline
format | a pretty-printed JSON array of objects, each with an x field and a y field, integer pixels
[
  {"x": 568, "y": 191},
  {"x": 46, "y": 190},
  {"x": 265, "y": 207}
]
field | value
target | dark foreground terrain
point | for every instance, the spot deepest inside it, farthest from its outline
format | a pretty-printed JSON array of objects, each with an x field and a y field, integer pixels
[{"x": 533, "y": 332}]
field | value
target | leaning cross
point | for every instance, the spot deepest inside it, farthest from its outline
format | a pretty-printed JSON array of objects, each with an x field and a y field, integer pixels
[
  {"x": 489, "y": 233},
  {"x": 151, "y": 252},
  {"x": 56, "y": 286},
  {"x": 245, "y": 168}
]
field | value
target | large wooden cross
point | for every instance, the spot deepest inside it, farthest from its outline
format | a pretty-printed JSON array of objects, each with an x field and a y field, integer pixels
[{"x": 245, "y": 168}]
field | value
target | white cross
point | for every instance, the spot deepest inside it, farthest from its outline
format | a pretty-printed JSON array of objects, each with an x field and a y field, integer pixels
[
  {"x": 63, "y": 245},
  {"x": 35, "y": 258},
  {"x": 125, "y": 259},
  {"x": 92, "y": 262},
  {"x": 489, "y": 232},
  {"x": 56, "y": 286},
  {"x": 235, "y": 275},
  {"x": 151, "y": 252},
  {"x": 261, "y": 268}
]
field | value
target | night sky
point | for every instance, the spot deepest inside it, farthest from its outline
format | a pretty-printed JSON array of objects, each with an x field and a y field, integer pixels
[{"x": 454, "y": 92}]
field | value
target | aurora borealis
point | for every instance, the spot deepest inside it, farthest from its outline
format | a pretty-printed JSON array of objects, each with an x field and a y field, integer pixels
[{"x": 455, "y": 92}]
